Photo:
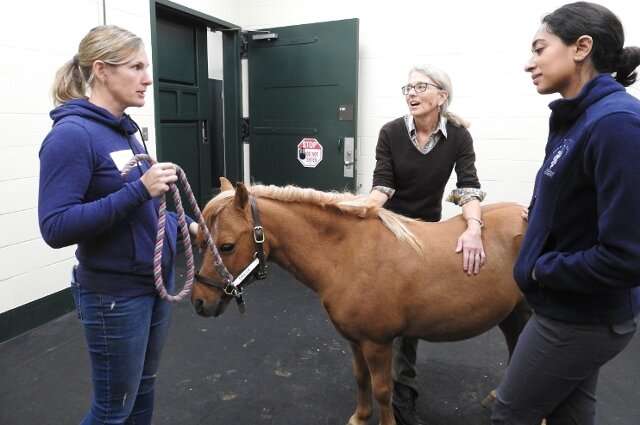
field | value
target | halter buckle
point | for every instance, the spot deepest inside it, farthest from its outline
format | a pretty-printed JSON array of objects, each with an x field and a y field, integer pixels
[
  {"x": 232, "y": 291},
  {"x": 258, "y": 234}
]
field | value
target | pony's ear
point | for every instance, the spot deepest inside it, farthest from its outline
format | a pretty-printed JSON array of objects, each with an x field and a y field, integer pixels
[
  {"x": 225, "y": 184},
  {"x": 242, "y": 196}
]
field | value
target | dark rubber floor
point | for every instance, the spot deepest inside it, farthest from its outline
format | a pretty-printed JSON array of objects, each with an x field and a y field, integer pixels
[{"x": 281, "y": 363}]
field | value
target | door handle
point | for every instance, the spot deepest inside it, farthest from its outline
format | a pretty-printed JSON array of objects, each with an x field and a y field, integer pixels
[
  {"x": 347, "y": 145},
  {"x": 205, "y": 140}
]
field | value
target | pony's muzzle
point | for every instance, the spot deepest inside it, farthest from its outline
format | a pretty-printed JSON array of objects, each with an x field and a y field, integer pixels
[
  {"x": 214, "y": 309},
  {"x": 198, "y": 305}
]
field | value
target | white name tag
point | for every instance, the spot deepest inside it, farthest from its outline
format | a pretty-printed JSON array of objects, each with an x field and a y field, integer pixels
[{"x": 120, "y": 158}]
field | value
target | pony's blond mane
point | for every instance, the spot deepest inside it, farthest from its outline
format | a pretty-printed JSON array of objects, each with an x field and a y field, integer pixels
[{"x": 355, "y": 205}]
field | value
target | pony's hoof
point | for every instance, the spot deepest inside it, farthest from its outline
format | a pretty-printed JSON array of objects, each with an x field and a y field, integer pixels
[
  {"x": 489, "y": 399},
  {"x": 354, "y": 420}
]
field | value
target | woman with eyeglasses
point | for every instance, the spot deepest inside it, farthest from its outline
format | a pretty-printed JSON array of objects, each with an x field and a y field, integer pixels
[
  {"x": 415, "y": 157},
  {"x": 578, "y": 264}
]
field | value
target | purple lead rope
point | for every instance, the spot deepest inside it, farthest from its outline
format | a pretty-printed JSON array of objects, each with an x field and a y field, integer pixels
[{"x": 184, "y": 229}]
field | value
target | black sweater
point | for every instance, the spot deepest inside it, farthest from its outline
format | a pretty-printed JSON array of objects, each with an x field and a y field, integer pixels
[{"x": 418, "y": 179}]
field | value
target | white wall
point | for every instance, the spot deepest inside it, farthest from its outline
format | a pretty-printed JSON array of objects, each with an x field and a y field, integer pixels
[
  {"x": 36, "y": 38},
  {"x": 214, "y": 55},
  {"x": 32, "y": 47},
  {"x": 483, "y": 45}
]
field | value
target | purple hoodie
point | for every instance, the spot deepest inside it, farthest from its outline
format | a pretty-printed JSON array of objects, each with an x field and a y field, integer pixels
[{"x": 83, "y": 200}]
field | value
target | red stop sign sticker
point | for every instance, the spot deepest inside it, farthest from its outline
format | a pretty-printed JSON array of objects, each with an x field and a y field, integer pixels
[{"x": 309, "y": 152}]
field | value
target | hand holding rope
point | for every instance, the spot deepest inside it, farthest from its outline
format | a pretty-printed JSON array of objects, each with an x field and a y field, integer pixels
[{"x": 184, "y": 229}]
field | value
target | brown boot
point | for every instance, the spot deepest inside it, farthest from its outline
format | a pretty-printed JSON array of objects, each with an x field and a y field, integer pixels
[{"x": 404, "y": 405}]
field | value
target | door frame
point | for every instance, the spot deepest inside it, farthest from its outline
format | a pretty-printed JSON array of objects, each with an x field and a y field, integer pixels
[{"x": 232, "y": 80}]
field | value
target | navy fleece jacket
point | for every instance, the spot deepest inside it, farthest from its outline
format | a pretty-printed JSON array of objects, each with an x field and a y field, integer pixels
[
  {"x": 84, "y": 200},
  {"x": 583, "y": 239}
]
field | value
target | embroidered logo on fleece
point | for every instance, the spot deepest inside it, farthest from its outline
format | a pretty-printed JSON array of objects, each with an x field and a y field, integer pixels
[{"x": 556, "y": 156}]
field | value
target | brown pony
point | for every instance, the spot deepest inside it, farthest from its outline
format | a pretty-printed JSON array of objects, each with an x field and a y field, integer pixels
[{"x": 378, "y": 274}]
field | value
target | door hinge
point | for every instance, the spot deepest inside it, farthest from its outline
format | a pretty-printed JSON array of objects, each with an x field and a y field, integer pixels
[
  {"x": 244, "y": 130},
  {"x": 244, "y": 44}
]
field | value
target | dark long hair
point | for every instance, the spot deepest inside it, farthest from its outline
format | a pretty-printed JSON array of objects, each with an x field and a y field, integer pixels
[{"x": 608, "y": 54}]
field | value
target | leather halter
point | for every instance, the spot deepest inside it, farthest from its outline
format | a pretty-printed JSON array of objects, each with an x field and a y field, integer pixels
[{"x": 255, "y": 270}]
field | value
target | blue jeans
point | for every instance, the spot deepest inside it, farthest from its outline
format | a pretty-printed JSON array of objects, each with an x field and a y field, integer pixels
[{"x": 125, "y": 336}]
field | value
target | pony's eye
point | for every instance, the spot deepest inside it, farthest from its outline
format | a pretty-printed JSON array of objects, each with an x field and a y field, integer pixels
[{"x": 226, "y": 248}]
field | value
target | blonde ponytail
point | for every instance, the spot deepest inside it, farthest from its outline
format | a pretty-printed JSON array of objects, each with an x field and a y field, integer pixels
[
  {"x": 108, "y": 43},
  {"x": 68, "y": 83}
]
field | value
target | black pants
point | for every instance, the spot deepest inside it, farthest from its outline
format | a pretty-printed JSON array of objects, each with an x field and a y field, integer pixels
[
  {"x": 553, "y": 373},
  {"x": 404, "y": 361}
]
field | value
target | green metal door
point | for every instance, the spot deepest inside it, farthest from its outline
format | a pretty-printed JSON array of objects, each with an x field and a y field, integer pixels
[
  {"x": 183, "y": 98},
  {"x": 303, "y": 84}
]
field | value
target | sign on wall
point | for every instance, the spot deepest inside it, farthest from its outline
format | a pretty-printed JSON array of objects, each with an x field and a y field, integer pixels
[{"x": 309, "y": 152}]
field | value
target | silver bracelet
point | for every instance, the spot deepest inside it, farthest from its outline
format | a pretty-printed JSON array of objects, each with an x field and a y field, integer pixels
[{"x": 480, "y": 222}]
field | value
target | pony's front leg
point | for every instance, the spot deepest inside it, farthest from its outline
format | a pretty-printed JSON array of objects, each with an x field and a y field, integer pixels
[
  {"x": 363, "y": 379},
  {"x": 378, "y": 357}
]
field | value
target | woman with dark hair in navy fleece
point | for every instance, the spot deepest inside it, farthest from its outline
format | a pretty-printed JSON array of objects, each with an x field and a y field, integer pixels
[
  {"x": 579, "y": 265},
  {"x": 84, "y": 200}
]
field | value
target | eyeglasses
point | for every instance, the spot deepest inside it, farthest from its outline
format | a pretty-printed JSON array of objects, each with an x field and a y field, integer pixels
[{"x": 418, "y": 87}]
